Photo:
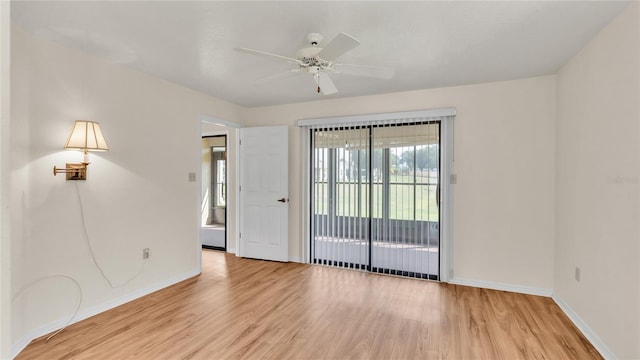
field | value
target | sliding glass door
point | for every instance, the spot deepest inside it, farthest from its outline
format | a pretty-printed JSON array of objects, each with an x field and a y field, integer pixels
[
  {"x": 375, "y": 197},
  {"x": 341, "y": 197}
]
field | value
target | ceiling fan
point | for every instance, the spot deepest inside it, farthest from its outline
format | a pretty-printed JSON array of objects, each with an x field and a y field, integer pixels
[{"x": 319, "y": 62}]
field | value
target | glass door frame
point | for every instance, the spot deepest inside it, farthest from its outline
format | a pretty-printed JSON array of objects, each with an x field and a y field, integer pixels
[
  {"x": 448, "y": 178},
  {"x": 386, "y": 182}
]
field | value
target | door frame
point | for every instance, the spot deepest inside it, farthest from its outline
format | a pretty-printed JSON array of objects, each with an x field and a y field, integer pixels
[
  {"x": 214, "y": 134},
  {"x": 446, "y": 172},
  {"x": 232, "y": 155}
]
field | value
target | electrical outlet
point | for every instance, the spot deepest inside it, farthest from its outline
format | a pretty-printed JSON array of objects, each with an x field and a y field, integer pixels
[
  {"x": 192, "y": 177},
  {"x": 453, "y": 179},
  {"x": 145, "y": 253},
  {"x": 577, "y": 274}
]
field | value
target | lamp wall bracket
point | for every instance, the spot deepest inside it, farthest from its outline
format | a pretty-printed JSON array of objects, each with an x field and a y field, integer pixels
[{"x": 73, "y": 171}]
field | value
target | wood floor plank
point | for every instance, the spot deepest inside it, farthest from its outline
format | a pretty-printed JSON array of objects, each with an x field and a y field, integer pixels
[{"x": 250, "y": 309}]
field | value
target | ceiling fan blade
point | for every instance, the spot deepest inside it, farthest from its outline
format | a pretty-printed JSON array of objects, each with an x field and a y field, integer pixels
[
  {"x": 277, "y": 76},
  {"x": 270, "y": 55},
  {"x": 365, "y": 70},
  {"x": 338, "y": 46},
  {"x": 325, "y": 83}
]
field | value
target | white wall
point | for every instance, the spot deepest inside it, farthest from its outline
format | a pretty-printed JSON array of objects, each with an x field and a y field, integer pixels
[
  {"x": 5, "y": 171},
  {"x": 137, "y": 195},
  {"x": 504, "y": 158},
  {"x": 597, "y": 177}
]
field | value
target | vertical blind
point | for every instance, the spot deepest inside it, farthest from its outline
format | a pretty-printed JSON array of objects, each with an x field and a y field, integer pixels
[{"x": 375, "y": 197}]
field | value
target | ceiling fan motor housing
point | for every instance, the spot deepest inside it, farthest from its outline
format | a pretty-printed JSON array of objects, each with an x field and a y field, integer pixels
[{"x": 308, "y": 53}]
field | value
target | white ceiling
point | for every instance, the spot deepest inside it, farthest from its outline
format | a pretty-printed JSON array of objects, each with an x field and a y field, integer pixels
[{"x": 430, "y": 44}]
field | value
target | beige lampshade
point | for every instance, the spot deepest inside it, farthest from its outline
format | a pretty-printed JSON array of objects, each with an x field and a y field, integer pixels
[{"x": 86, "y": 136}]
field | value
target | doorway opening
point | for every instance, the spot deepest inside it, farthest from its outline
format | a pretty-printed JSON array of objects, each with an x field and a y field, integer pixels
[{"x": 213, "y": 227}]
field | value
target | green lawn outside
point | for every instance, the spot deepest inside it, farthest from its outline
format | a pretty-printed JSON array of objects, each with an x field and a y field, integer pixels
[{"x": 401, "y": 198}]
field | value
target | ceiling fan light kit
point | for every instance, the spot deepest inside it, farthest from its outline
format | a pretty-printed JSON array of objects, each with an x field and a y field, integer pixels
[{"x": 319, "y": 62}]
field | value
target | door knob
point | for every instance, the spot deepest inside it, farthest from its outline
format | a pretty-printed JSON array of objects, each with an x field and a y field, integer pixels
[{"x": 283, "y": 200}]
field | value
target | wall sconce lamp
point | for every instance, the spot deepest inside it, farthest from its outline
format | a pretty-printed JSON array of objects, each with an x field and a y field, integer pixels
[{"x": 86, "y": 136}]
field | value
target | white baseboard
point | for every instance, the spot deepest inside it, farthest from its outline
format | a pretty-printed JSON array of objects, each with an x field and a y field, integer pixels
[
  {"x": 573, "y": 316},
  {"x": 500, "y": 286},
  {"x": 231, "y": 251},
  {"x": 295, "y": 259},
  {"x": 585, "y": 329},
  {"x": 32, "y": 334}
]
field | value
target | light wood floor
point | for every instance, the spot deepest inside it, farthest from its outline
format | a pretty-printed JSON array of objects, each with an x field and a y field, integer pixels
[{"x": 250, "y": 309}]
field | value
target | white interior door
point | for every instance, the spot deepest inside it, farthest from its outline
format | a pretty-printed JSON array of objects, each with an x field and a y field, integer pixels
[{"x": 264, "y": 198}]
